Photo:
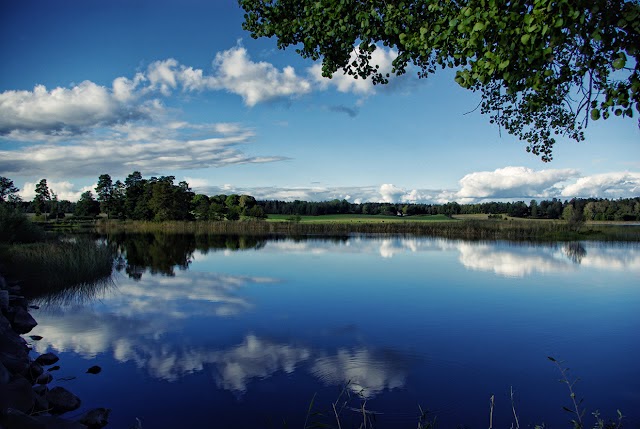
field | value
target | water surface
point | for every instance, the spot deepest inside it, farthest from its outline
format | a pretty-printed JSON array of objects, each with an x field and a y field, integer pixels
[{"x": 243, "y": 332}]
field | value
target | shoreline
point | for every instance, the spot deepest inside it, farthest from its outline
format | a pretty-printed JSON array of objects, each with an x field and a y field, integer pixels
[
  {"x": 26, "y": 399},
  {"x": 516, "y": 230}
]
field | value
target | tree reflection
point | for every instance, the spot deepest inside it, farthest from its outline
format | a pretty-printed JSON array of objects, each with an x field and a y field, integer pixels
[
  {"x": 164, "y": 253},
  {"x": 574, "y": 251}
]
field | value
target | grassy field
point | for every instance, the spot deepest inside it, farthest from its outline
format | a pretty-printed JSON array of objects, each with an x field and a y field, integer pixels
[{"x": 354, "y": 218}]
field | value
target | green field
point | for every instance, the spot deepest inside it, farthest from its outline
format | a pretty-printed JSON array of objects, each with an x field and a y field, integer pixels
[{"x": 354, "y": 218}]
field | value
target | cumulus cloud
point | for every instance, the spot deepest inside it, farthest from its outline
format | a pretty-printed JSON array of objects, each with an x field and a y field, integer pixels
[
  {"x": 66, "y": 110},
  {"x": 607, "y": 185},
  {"x": 513, "y": 182},
  {"x": 382, "y": 57},
  {"x": 78, "y": 109},
  {"x": 255, "y": 82}
]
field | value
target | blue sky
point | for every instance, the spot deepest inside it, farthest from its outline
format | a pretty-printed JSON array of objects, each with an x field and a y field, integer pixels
[{"x": 178, "y": 88}]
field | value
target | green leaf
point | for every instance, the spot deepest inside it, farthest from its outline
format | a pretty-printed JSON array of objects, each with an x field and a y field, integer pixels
[
  {"x": 525, "y": 38},
  {"x": 619, "y": 63},
  {"x": 478, "y": 27},
  {"x": 504, "y": 64}
]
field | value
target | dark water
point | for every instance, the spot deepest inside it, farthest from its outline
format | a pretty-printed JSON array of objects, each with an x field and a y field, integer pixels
[{"x": 239, "y": 332}]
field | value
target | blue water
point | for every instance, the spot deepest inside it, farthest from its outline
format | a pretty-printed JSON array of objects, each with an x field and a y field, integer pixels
[{"x": 216, "y": 336}]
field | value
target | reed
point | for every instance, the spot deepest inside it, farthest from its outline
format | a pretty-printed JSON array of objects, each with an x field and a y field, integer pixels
[
  {"x": 48, "y": 266},
  {"x": 468, "y": 229}
]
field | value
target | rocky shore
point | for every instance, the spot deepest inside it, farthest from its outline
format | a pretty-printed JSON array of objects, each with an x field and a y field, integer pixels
[{"x": 27, "y": 398}]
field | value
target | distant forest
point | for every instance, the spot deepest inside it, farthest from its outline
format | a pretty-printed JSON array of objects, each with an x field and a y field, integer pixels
[{"x": 160, "y": 199}]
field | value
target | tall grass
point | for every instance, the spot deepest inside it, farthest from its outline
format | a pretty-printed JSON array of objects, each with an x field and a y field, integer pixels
[
  {"x": 54, "y": 265},
  {"x": 470, "y": 229}
]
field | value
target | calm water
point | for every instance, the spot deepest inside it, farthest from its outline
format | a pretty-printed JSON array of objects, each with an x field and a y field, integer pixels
[{"x": 238, "y": 332}]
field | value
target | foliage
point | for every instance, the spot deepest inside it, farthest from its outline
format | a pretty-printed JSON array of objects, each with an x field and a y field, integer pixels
[
  {"x": 8, "y": 192},
  {"x": 543, "y": 68},
  {"x": 16, "y": 228},
  {"x": 593, "y": 208},
  {"x": 42, "y": 198},
  {"x": 87, "y": 206}
]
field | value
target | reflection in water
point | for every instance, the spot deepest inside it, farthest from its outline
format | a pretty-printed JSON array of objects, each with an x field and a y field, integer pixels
[
  {"x": 365, "y": 372},
  {"x": 575, "y": 251},
  {"x": 163, "y": 253},
  {"x": 255, "y": 358},
  {"x": 508, "y": 259},
  {"x": 171, "y": 317}
]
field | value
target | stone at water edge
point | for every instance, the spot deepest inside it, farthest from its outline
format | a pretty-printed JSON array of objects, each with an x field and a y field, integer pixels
[
  {"x": 61, "y": 400},
  {"x": 96, "y": 418},
  {"x": 94, "y": 369},
  {"x": 16, "y": 419},
  {"x": 19, "y": 395},
  {"x": 47, "y": 359},
  {"x": 45, "y": 378},
  {"x": 4, "y": 300},
  {"x": 35, "y": 337},
  {"x": 35, "y": 371},
  {"x": 5, "y": 375},
  {"x": 23, "y": 322}
]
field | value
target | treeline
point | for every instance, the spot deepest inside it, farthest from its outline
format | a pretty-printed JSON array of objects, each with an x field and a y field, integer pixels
[
  {"x": 160, "y": 199},
  {"x": 136, "y": 198},
  {"x": 626, "y": 209}
]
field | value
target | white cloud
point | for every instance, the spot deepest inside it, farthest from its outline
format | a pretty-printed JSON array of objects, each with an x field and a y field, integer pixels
[
  {"x": 607, "y": 185},
  {"x": 150, "y": 149},
  {"x": 64, "y": 190},
  {"x": 513, "y": 182},
  {"x": 255, "y": 82},
  {"x": 381, "y": 57},
  {"x": 65, "y": 110}
]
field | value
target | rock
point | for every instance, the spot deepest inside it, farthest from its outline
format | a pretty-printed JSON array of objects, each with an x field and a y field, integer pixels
[
  {"x": 41, "y": 403},
  {"x": 35, "y": 337},
  {"x": 45, "y": 378},
  {"x": 5, "y": 375},
  {"x": 35, "y": 307},
  {"x": 40, "y": 390},
  {"x": 61, "y": 400},
  {"x": 10, "y": 341},
  {"x": 53, "y": 422},
  {"x": 96, "y": 418},
  {"x": 94, "y": 369},
  {"x": 35, "y": 371},
  {"x": 4, "y": 300},
  {"x": 16, "y": 419},
  {"x": 16, "y": 364},
  {"x": 47, "y": 359},
  {"x": 23, "y": 322},
  {"x": 19, "y": 396}
]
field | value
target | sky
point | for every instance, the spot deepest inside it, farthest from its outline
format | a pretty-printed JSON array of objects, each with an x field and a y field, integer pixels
[{"x": 179, "y": 88}]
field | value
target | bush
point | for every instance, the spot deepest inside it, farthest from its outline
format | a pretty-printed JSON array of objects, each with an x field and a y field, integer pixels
[{"x": 16, "y": 228}]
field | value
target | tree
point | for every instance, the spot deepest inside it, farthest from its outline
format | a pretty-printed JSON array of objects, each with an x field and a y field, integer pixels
[
  {"x": 87, "y": 205},
  {"x": 105, "y": 189},
  {"x": 543, "y": 68},
  {"x": 42, "y": 198},
  {"x": 8, "y": 192}
]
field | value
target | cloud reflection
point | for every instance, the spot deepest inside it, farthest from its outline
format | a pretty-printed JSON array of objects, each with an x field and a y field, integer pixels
[{"x": 364, "y": 371}]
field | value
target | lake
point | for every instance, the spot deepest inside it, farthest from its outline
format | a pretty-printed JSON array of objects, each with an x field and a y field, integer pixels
[{"x": 239, "y": 332}]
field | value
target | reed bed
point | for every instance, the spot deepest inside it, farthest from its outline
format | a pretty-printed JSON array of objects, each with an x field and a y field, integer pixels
[
  {"x": 48, "y": 266},
  {"x": 468, "y": 229}
]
